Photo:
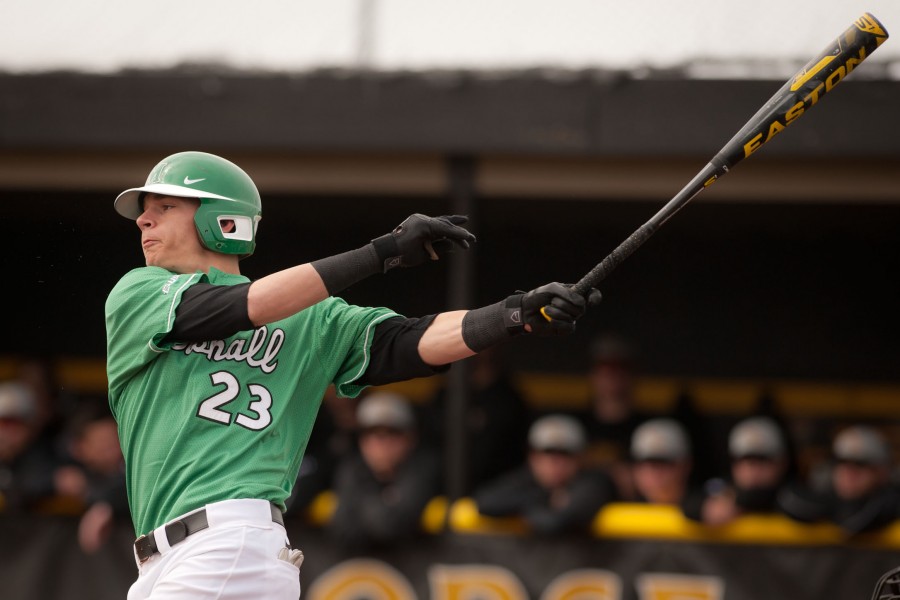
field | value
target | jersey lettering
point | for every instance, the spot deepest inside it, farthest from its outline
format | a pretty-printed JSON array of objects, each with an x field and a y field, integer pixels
[{"x": 260, "y": 351}]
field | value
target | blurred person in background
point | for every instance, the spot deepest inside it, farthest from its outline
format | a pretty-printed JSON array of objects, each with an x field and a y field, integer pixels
[
  {"x": 612, "y": 414},
  {"x": 758, "y": 477},
  {"x": 553, "y": 491},
  {"x": 95, "y": 466},
  {"x": 54, "y": 405},
  {"x": 497, "y": 419},
  {"x": 862, "y": 497},
  {"x": 661, "y": 461},
  {"x": 27, "y": 461},
  {"x": 383, "y": 490},
  {"x": 94, "y": 478}
]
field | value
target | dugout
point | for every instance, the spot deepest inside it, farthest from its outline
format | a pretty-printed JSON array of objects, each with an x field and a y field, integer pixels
[{"x": 780, "y": 277}]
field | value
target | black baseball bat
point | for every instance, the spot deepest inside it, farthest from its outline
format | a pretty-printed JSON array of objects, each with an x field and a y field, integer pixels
[{"x": 796, "y": 96}]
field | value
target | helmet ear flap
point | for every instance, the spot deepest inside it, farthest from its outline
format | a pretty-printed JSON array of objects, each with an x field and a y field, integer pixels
[
  {"x": 242, "y": 228},
  {"x": 222, "y": 228}
]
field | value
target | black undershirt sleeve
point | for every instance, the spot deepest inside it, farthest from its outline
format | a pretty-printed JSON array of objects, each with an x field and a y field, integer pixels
[
  {"x": 211, "y": 312},
  {"x": 395, "y": 352}
]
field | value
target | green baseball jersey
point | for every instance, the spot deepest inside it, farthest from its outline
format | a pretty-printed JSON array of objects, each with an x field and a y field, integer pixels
[{"x": 210, "y": 421}]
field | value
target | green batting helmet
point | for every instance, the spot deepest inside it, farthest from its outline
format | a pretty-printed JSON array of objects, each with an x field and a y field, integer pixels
[{"x": 225, "y": 191}]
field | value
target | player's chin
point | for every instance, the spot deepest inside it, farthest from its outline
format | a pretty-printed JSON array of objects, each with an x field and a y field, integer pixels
[{"x": 152, "y": 258}]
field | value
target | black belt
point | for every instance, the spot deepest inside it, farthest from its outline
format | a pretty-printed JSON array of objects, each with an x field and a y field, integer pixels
[{"x": 145, "y": 546}]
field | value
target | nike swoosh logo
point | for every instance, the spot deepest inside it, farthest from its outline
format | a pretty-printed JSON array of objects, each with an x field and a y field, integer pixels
[{"x": 189, "y": 181}]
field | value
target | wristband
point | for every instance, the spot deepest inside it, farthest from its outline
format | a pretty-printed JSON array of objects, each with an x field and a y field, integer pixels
[
  {"x": 487, "y": 326},
  {"x": 388, "y": 251},
  {"x": 340, "y": 271}
]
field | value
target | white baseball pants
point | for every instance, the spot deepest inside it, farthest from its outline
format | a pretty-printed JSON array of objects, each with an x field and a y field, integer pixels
[{"x": 237, "y": 557}]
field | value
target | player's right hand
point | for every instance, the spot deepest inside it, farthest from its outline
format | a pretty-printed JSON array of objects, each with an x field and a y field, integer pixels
[
  {"x": 421, "y": 237},
  {"x": 552, "y": 309}
]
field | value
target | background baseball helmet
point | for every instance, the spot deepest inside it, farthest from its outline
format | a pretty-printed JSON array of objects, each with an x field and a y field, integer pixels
[{"x": 225, "y": 191}]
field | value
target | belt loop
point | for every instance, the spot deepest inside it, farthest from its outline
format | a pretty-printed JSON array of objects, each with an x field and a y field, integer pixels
[
  {"x": 277, "y": 515},
  {"x": 176, "y": 531},
  {"x": 160, "y": 539}
]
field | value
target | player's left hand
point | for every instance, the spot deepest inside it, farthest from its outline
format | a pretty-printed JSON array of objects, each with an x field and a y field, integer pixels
[
  {"x": 421, "y": 237},
  {"x": 552, "y": 309}
]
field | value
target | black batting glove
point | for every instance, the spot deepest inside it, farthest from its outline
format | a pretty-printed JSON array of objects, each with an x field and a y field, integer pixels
[
  {"x": 414, "y": 241},
  {"x": 549, "y": 310},
  {"x": 552, "y": 309},
  {"x": 420, "y": 238}
]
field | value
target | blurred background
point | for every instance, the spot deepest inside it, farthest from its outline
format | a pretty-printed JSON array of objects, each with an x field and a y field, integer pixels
[{"x": 559, "y": 128}]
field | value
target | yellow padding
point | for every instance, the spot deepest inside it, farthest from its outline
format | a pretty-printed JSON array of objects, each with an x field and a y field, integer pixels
[
  {"x": 624, "y": 520},
  {"x": 887, "y": 537},
  {"x": 322, "y": 508},
  {"x": 637, "y": 521},
  {"x": 640, "y": 520},
  {"x": 434, "y": 515},
  {"x": 465, "y": 518}
]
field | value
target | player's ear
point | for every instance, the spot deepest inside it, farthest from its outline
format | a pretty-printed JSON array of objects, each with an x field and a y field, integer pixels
[{"x": 227, "y": 225}]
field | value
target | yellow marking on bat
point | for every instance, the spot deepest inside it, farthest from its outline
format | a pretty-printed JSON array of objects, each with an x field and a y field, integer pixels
[
  {"x": 544, "y": 313},
  {"x": 865, "y": 23},
  {"x": 805, "y": 76},
  {"x": 868, "y": 24}
]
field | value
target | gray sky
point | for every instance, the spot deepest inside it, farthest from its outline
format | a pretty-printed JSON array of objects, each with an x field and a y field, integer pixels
[{"x": 107, "y": 35}]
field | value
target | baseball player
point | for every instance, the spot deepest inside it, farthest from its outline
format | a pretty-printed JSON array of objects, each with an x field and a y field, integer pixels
[{"x": 215, "y": 380}]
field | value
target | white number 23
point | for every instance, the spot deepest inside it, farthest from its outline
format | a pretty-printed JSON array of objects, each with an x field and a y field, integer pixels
[{"x": 211, "y": 408}]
